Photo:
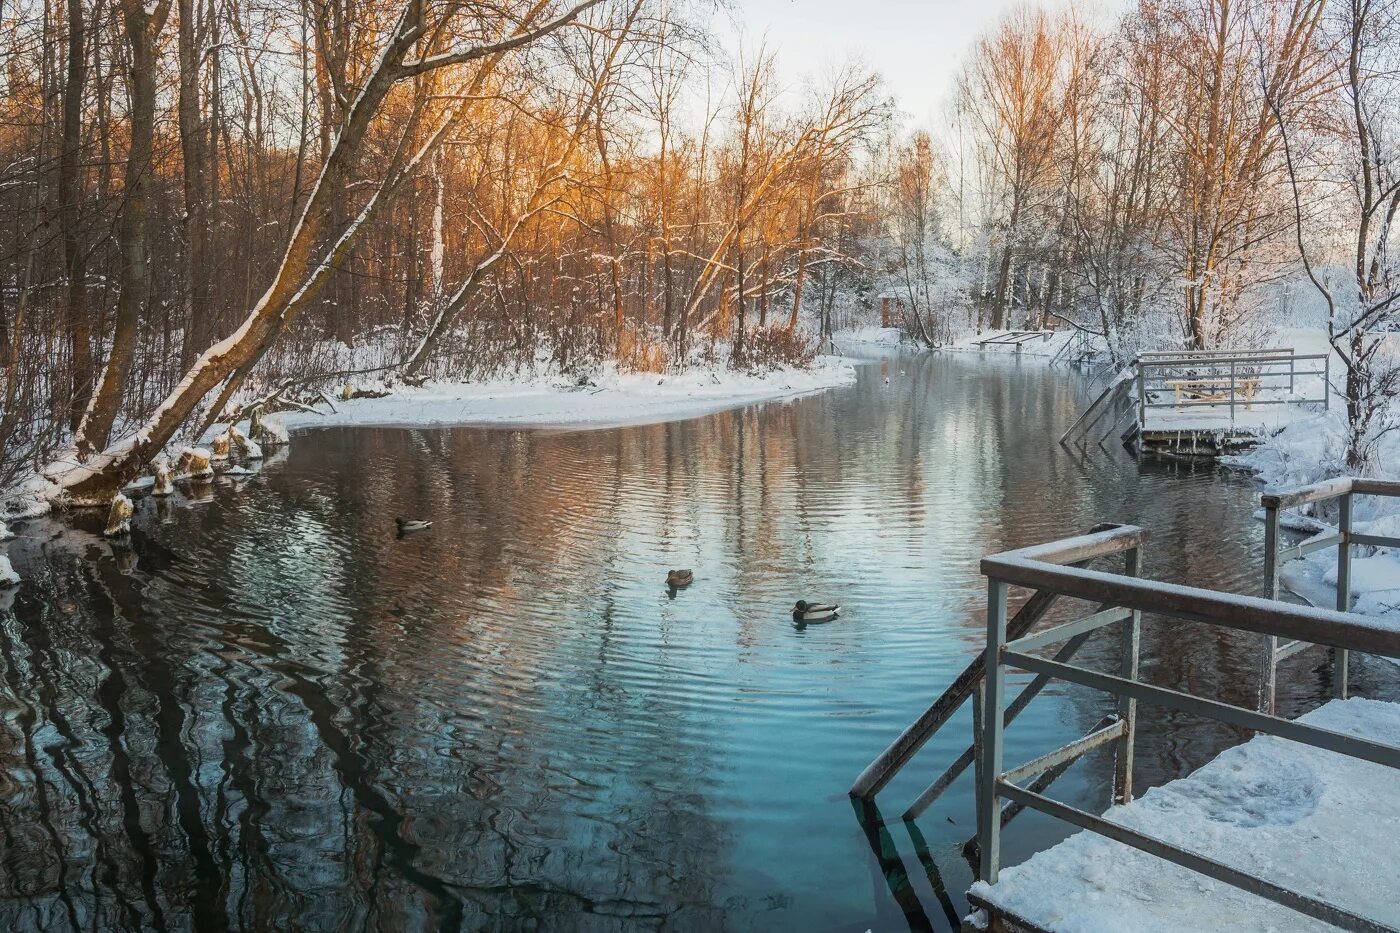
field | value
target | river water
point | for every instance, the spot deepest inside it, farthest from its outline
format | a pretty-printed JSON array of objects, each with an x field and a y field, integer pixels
[{"x": 269, "y": 712}]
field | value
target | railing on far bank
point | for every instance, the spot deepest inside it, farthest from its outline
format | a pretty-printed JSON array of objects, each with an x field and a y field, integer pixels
[
  {"x": 1227, "y": 380},
  {"x": 1124, "y": 598},
  {"x": 1200, "y": 382},
  {"x": 1275, "y": 503}
]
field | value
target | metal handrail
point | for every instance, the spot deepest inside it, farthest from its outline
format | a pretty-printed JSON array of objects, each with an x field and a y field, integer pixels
[
  {"x": 1228, "y": 610},
  {"x": 1274, "y": 502},
  {"x": 1235, "y": 356},
  {"x": 1204, "y": 354},
  {"x": 1050, "y": 568},
  {"x": 1103, "y": 541},
  {"x": 1153, "y": 371}
]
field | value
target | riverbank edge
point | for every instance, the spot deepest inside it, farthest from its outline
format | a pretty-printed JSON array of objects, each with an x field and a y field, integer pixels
[{"x": 608, "y": 400}]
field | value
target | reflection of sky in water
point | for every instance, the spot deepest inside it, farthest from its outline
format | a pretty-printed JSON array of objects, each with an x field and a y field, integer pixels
[{"x": 285, "y": 716}]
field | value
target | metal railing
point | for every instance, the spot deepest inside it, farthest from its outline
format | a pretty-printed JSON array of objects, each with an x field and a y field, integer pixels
[
  {"x": 1015, "y": 338},
  {"x": 1206, "y": 354},
  {"x": 1056, "y": 569},
  {"x": 1275, "y": 503},
  {"x": 966, "y": 686},
  {"x": 1227, "y": 379},
  {"x": 1114, "y": 402}
]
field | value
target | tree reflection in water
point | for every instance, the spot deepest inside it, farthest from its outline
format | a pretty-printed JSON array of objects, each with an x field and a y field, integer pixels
[{"x": 268, "y": 712}]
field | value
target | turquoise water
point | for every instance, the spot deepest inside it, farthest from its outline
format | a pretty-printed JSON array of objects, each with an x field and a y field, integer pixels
[{"x": 269, "y": 712}]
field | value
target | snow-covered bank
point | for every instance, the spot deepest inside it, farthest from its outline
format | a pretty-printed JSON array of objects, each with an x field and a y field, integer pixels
[
  {"x": 861, "y": 340},
  {"x": 1308, "y": 451},
  {"x": 1049, "y": 344},
  {"x": 608, "y": 399},
  {"x": 1304, "y": 818}
]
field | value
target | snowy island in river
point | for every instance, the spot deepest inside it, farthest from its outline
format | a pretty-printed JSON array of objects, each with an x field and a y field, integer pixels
[{"x": 608, "y": 399}]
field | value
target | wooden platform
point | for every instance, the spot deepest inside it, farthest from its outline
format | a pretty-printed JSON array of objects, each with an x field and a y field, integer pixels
[
  {"x": 1311, "y": 820},
  {"x": 1194, "y": 442}
]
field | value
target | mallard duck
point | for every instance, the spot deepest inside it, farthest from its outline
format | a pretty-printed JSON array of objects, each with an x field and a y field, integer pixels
[
  {"x": 679, "y": 578},
  {"x": 406, "y": 525},
  {"x": 814, "y": 612}
]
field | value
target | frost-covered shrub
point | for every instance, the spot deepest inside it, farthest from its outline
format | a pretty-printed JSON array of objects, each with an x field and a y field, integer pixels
[
  {"x": 779, "y": 346},
  {"x": 639, "y": 351}
]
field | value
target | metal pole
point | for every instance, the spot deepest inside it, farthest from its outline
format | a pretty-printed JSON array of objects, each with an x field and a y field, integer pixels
[
  {"x": 1292, "y": 366},
  {"x": 979, "y": 703},
  {"x": 1142, "y": 398},
  {"x": 1340, "y": 656},
  {"x": 989, "y": 804},
  {"x": 1127, "y": 707},
  {"x": 1269, "y": 664},
  {"x": 1232, "y": 393},
  {"x": 1327, "y": 382}
]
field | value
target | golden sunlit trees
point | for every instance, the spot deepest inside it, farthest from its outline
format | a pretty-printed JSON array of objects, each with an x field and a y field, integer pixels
[
  {"x": 1014, "y": 90},
  {"x": 1228, "y": 212},
  {"x": 204, "y": 200}
]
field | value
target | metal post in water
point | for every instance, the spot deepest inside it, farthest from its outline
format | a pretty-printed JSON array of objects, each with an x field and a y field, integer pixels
[
  {"x": 1340, "y": 657},
  {"x": 1127, "y": 707},
  {"x": 1232, "y": 393},
  {"x": 1142, "y": 397},
  {"x": 989, "y": 804},
  {"x": 1268, "y": 663},
  {"x": 979, "y": 703}
]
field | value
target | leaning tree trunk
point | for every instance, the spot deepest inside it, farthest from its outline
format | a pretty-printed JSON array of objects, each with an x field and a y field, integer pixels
[
  {"x": 300, "y": 275},
  {"x": 296, "y": 280}
]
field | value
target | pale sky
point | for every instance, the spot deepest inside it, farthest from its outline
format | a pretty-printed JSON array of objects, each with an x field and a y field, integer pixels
[{"x": 916, "y": 45}]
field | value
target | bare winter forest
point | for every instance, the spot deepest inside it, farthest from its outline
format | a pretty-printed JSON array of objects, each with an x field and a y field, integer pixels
[{"x": 204, "y": 201}]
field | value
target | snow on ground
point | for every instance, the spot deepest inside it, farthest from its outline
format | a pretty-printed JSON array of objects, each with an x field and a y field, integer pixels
[
  {"x": 608, "y": 399},
  {"x": 857, "y": 339},
  {"x": 1312, "y": 821},
  {"x": 1218, "y": 418}
]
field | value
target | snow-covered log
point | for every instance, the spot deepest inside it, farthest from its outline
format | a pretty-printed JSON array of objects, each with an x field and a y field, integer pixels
[
  {"x": 247, "y": 448},
  {"x": 164, "y": 485},
  {"x": 267, "y": 431},
  {"x": 119, "y": 518},
  {"x": 220, "y": 445}
]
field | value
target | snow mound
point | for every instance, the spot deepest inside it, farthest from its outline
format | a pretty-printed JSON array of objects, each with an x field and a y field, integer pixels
[
  {"x": 869, "y": 336},
  {"x": 608, "y": 399},
  {"x": 8, "y": 577}
]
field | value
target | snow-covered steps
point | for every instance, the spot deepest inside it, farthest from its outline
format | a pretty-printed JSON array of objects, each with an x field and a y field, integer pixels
[{"x": 1318, "y": 823}]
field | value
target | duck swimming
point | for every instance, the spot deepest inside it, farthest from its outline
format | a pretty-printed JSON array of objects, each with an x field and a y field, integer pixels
[
  {"x": 814, "y": 612},
  {"x": 679, "y": 578},
  {"x": 406, "y": 525}
]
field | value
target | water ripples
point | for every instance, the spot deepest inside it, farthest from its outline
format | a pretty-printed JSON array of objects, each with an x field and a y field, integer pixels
[{"x": 270, "y": 712}]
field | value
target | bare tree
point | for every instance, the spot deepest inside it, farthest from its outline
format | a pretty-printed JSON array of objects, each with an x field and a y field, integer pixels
[{"x": 1363, "y": 161}]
